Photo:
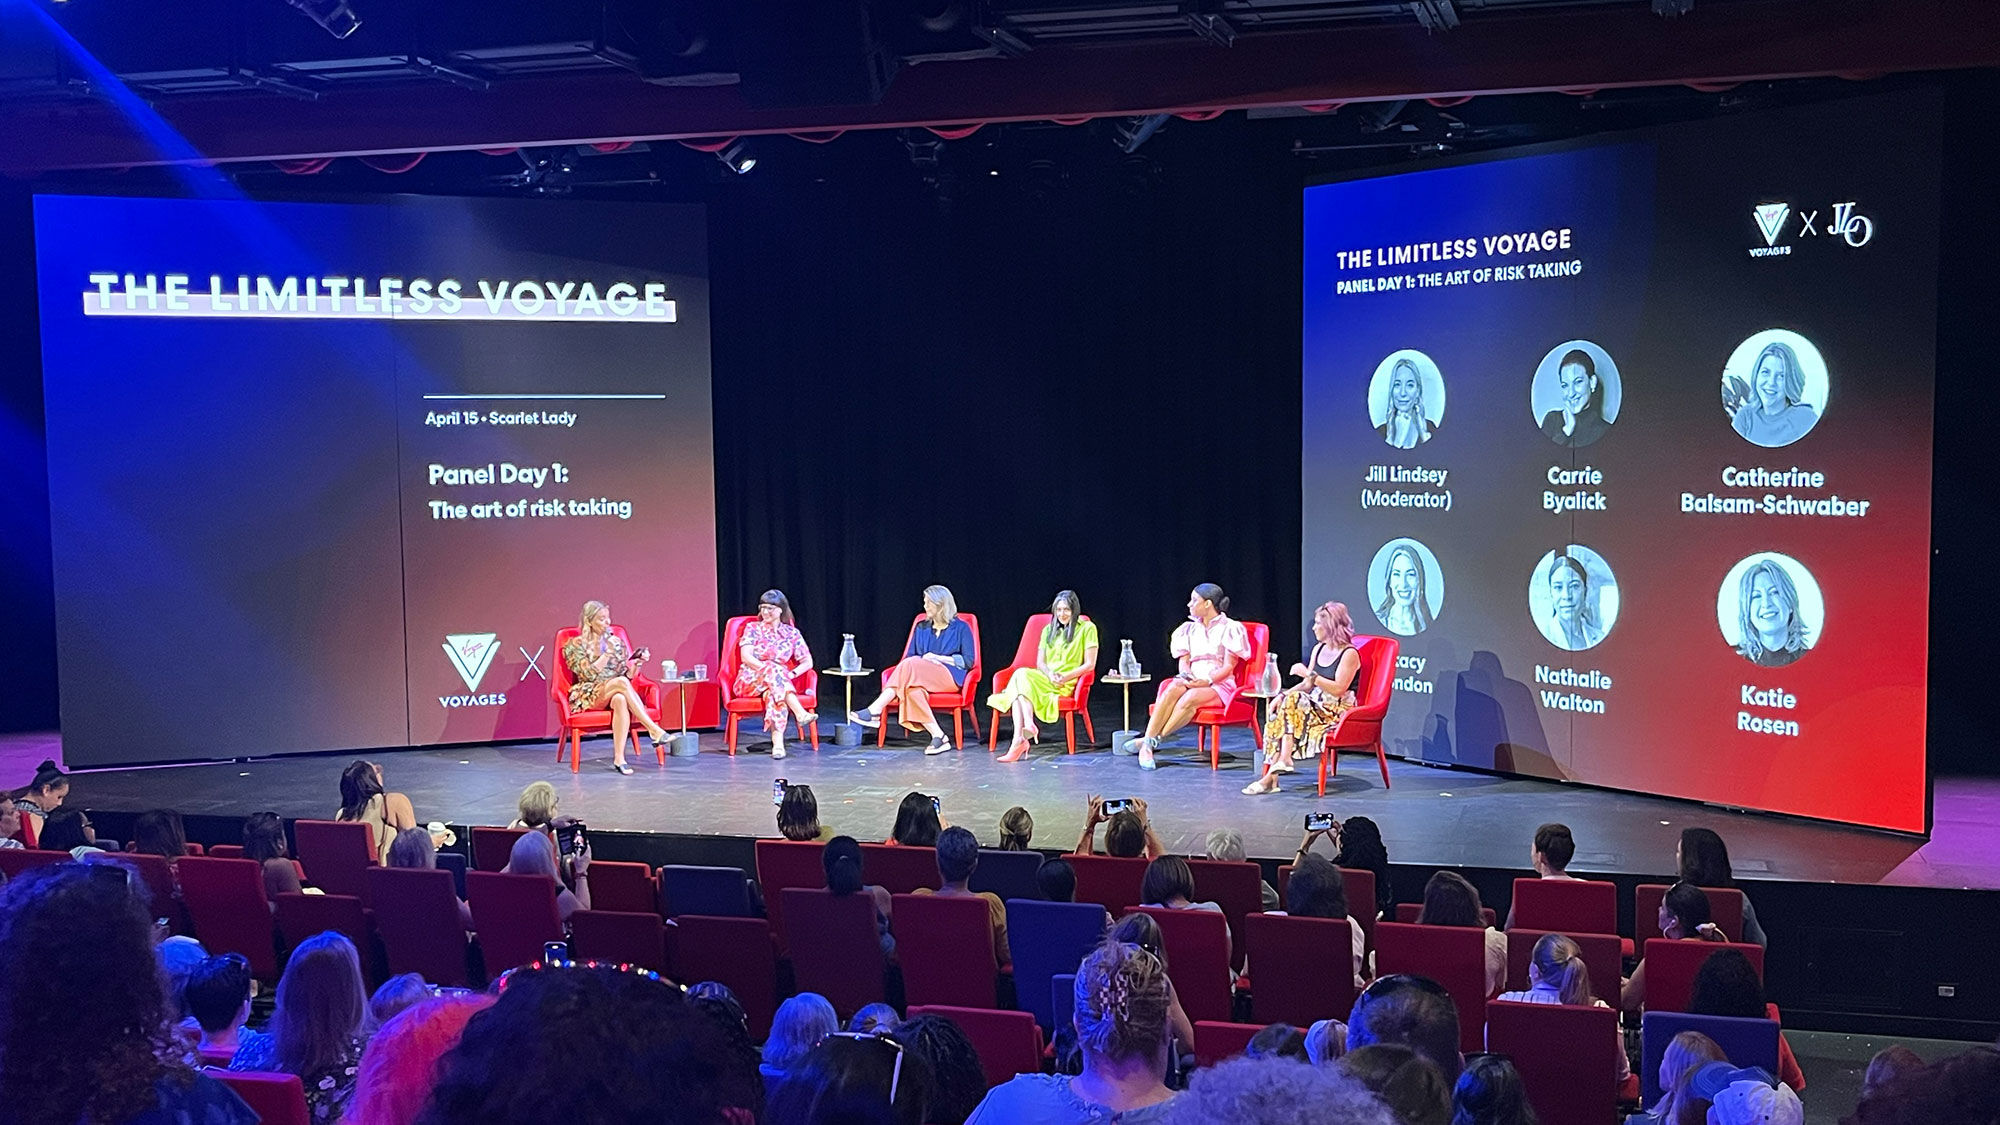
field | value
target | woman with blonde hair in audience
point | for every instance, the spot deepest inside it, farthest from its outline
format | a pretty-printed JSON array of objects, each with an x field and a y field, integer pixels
[
  {"x": 535, "y": 854},
  {"x": 1557, "y": 975},
  {"x": 800, "y": 1023},
  {"x": 317, "y": 1030},
  {"x": 1685, "y": 1054},
  {"x": 1017, "y": 828},
  {"x": 537, "y": 807}
]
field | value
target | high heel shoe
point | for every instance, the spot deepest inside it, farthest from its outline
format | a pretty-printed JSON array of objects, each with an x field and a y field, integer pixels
[{"x": 1016, "y": 752}]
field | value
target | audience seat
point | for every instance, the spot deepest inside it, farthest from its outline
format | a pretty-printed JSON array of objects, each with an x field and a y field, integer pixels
[
  {"x": 1047, "y": 939},
  {"x": 1009, "y": 1043},
  {"x": 1671, "y": 966},
  {"x": 788, "y": 863},
  {"x": 835, "y": 947},
  {"x": 1217, "y": 1040},
  {"x": 1600, "y": 955},
  {"x": 1236, "y": 886},
  {"x": 1567, "y": 1056},
  {"x": 493, "y": 847},
  {"x": 1007, "y": 874},
  {"x": 1453, "y": 956},
  {"x": 416, "y": 916},
  {"x": 1062, "y": 995},
  {"x": 1197, "y": 948},
  {"x": 1408, "y": 913},
  {"x": 1747, "y": 1042},
  {"x": 225, "y": 851},
  {"x": 14, "y": 861},
  {"x": 736, "y": 952},
  {"x": 624, "y": 887},
  {"x": 157, "y": 872},
  {"x": 300, "y": 916},
  {"x": 515, "y": 915},
  {"x": 1359, "y": 883},
  {"x": 456, "y": 863},
  {"x": 276, "y": 1099},
  {"x": 1566, "y": 906},
  {"x": 1109, "y": 881},
  {"x": 945, "y": 946},
  {"x": 1725, "y": 908},
  {"x": 722, "y": 892},
  {"x": 335, "y": 853},
  {"x": 225, "y": 900},
  {"x": 899, "y": 869},
  {"x": 621, "y": 937},
  {"x": 1296, "y": 968}
]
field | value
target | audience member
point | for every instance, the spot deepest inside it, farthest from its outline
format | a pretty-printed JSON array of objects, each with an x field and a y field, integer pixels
[
  {"x": 316, "y": 1032},
  {"x": 1317, "y": 890},
  {"x": 536, "y": 807},
  {"x": 1056, "y": 879},
  {"x": 1683, "y": 917},
  {"x": 1122, "y": 1001},
  {"x": 364, "y": 800},
  {"x": 1326, "y": 1041},
  {"x": 1727, "y": 985},
  {"x": 1451, "y": 900},
  {"x": 535, "y": 854},
  {"x": 413, "y": 848},
  {"x": 84, "y": 1028},
  {"x": 1489, "y": 1092},
  {"x": 1739, "y": 1096},
  {"x": 179, "y": 956},
  {"x": 1411, "y": 1086},
  {"x": 593, "y": 1044},
  {"x": 159, "y": 832},
  {"x": 1169, "y": 882},
  {"x": 715, "y": 998},
  {"x": 1413, "y": 1011},
  {"x": 1685, "y": 1053},
  {"x": 917, "y": 822},
  {"x": 1358, "y": 844},
  {"x": 1703, "y": 859},
  {"x": 41, "y": 796},
  {"x": 397, "y": 995},
  {"x": 217, "y": 996},
  {"x": 801, "y": 1022},
  {"x": 798, "y": 816},
  {"x": 1889, "y": 1063},
  {"x": 957, "y": 859},
  {"x": 1558, "y": 975},
  {"x": 842, "y": 862},
  {"x": 264, "y": 841},
  {"x": 1143, "y": 930},
  {"x": 399, "y": 1067},
  {"x": 1226, "y": 845},
  {"x": 1278, "y": 1040},
  {"x": 69, "y": 830},
  {"x": 853, "y": 1078},
  {"x": 1017, "y": 828},
  {"x": 879, "y": 1019},
  {"x": 10, "y": 824},
  {"x": 1127, "y": 834},
  {"x": 1282, "y": 1091},
  {"x": 1549, "y": 855},
  {"x": 958, "y": 1082},
  {"x": 1961, "y": 1090}
]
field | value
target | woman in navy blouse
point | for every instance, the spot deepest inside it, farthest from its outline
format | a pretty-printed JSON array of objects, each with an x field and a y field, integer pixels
[{"x": 938, "y": 659}]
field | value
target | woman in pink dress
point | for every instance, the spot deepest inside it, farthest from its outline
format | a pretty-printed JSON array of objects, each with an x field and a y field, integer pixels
[{"x": 773, "y": 655}]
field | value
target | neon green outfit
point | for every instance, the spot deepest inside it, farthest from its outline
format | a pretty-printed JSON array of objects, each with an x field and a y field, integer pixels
[{"x": 1037, "y": 687}]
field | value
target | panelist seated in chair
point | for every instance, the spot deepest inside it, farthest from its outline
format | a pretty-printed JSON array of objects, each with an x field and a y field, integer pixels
[
  {"x": 1305, "y": 713},
  {"x": 603, "y": 670},
  {"x": 939, "y": 658},
  {"x": 773, "y": 656},
  {"x": 1067, "y": 650},
  {"x": 1209, "y": 646}
]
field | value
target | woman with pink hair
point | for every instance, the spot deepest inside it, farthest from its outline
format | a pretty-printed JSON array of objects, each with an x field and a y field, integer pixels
[
  {"x": 400, "y": 1065},
  {"x": 1302, "y": 715}
]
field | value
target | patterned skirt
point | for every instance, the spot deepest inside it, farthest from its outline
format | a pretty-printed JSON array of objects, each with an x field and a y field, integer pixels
[{"x": 1306, "y": 716}]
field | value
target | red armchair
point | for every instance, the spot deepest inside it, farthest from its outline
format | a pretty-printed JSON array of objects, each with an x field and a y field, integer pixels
[
  {"x": 1209, "y": 721},
  {"x": 1068, "y": 706},
  {"x": 959, "y": 703},
  {"x": 736, "y": 706},
  {"x": 573, "y": 725},
  {"x": 1361, "y": 726}
]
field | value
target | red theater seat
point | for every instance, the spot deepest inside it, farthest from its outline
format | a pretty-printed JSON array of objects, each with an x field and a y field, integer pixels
[
  {"x": 1567, "y": 1056},
  {"x": 300, "y": 916},
  {"x": 515, "y": 915},
  {"x": 1197, "y": 948},
  {"x": 225, "y": 900},
  {"x": 1109, "y": 881},
  {"x": 1565, "y": 906},
  {"x": 1028, "y": 654},
  {"x": 737, "y": 952},
  {"x": 1237, "y": 887},
  {"x": 1453, "y": 956},
  {"x": 787, "y": 863},
  {"x": 898, "y": 868},
  {"x": 335, "y": 853},
  {"x": 493, "y": 847},
  {"x": 1671, "y": 966},
  {"x": 573, "y": 725},
  {"x": 1360, "y": 727},
  {"x": 1008, "y": 1043},
  {"x": 835, "y": 946},
  {"x": 1217, "y": 1040},
  {"x": 416, "y": 914},
  {"x": 739, "y": 707},
  {"x": 276, "y": 1099},
  {"x": 945, "y": 947},
  {"x": 1601, "y": 956},
  {"x": 1209, "y": 721},
  {"x": 960, "y": 703},
  {"x": 619, "y": 937},
  {"x": 15, "y": 861},
  {"x": 1297, "y": 965},
  {"x": 1725, "y": 909},
  {"x": 623, "y": 887}
]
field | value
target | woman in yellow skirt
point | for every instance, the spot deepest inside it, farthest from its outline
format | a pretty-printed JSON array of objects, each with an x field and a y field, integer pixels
[
  {"x": 1068, "y": 649},
  {"x": 1304, "y": 712}
]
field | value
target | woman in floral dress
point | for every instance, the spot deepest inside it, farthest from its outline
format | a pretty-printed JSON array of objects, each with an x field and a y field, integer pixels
[
  {"x": 773, "y": 656},
  {"x": 602, "y": 666}
]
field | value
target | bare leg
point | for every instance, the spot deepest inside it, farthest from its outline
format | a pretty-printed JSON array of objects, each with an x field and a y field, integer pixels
[
  {"x": 636, "y": 706},
  {"x": 621, "y": 725},
  {"x": 1182, "y": 712},
  {"x": 1024, "y": 720},
  {"x": 1170, "y": 697}
]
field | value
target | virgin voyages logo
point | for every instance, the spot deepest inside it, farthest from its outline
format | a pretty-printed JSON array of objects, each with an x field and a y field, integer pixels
[
  {"x": 472, "y": 654},
  {"x": 1842, "y": 222}
]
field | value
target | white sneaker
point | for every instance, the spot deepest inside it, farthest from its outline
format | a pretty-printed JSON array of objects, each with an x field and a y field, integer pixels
[
  {"x": 1146, "y": 755},
  {"x": 777, "y": 752}
]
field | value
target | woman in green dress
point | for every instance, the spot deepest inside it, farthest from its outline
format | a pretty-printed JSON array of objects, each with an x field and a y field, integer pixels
[{"x": 1068, "y": 649}]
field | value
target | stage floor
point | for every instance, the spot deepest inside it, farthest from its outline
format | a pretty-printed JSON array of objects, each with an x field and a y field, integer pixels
[{"x": 1431, "y": 816}]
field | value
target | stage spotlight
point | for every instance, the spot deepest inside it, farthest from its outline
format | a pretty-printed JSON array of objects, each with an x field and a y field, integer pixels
[
  {"x": 737, "y": 157},
  {"x": 334, "y": 16}
]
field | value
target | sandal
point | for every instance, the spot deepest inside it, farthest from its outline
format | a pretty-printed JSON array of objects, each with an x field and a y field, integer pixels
[{"x": 621, "y": 767}]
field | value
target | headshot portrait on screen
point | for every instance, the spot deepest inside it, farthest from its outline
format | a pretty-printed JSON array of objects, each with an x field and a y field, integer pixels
[
  {"x": 1576, "y": 393},
  {"x": 1770, "y": 609},
  {"x": 1406, "y": 399},
  {"x": 1406, "y": 586},
  {"x": 1574, "y": 598},
  {"x": 1774, "y": 388}
]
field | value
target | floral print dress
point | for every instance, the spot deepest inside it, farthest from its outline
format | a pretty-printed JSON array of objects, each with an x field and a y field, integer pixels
[
  {"x": 777, "y": 648},
  {"x": 579, "y": 654}
]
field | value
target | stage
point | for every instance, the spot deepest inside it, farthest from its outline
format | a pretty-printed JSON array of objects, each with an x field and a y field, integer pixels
[{"x": 1430, "y": 817}]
